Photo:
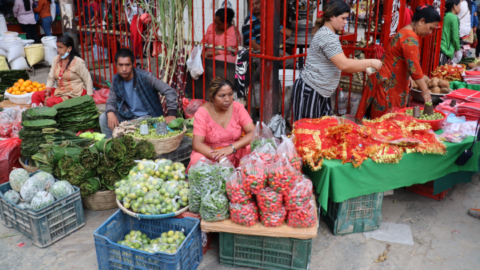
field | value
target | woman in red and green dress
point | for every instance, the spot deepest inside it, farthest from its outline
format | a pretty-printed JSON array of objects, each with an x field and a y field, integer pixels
[{"x": 389, "y": 87}]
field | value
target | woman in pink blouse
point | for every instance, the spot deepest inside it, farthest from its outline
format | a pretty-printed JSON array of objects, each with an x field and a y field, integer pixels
[
  {"x": 217, "y": 131},
  {"x": 218, "y": 29}
]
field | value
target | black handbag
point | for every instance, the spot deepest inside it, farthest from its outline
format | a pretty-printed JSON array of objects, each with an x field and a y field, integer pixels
[{"x": 468, "y": 153}]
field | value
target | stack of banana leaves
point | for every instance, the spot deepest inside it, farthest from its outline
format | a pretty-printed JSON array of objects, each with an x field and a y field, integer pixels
[
  {"x": 95, "y": 167},
  {"x": 76, "y": 114},
  {"x": 33, "y": 121}
]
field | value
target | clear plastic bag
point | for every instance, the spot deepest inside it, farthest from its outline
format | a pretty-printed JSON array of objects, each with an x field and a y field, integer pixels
[
  {"x": 457, "y": 57},
  {"x": 269, "y": 200},
  {"x": 254, "y": 172},
  {"x": 281, "y": 176},
  {"x": 287, "y": 149},
  {"x": 262, "y": 137},
  {"x": 299, "y": 196},
  {"x": 215, "y": 206},
  {"x": 453, "y": 137},
  {"x": 244, "y": 214},
  {"x": 303, "y": 218},
  {"x": 191, "y": 107},
  {"x": 12, "y": 196},
  {"x": 170, "y": 189},
  {"x": 194, "y": 64},
  {"x": 273, "y": 219},
  {"x": 266, "y": 153},
  {"x": 236, "y": 191}
]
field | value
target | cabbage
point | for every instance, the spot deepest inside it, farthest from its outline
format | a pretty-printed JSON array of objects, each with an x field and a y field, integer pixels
[
  {"x": 17, "y": 178},
  {"x": 12, "y": 196},
  {"x": 98, "y": 136},
  {"x": 87, "y": 135},
  {"x": 41, "y": 199},
  {"x": 24, "y": 205},
  {"x": 39, "y": 182},
  {"x": 61, "y": 189}
]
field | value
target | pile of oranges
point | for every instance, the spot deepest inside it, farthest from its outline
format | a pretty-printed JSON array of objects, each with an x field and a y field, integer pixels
[{"x": 24, "y": 87}]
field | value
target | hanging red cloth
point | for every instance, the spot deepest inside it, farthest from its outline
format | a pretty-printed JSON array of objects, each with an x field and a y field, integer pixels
[{"x": 136, "y": 28}]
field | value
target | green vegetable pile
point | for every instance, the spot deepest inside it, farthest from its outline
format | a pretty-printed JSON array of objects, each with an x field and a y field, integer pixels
[
  {"x": 152, "y": 134},
  {"x": 33, "y": 121},
  {"x": 76, "y": 114},
  {"x": 94, "y": 136},
  {"x": 154, "y": 187},
  {"x": 168, "y": 242},
  {"x": 206, "y": 176},
  {"x": 215, "y": 206},
  {"x": 176, "y": 125},
  {"x": 436, "y": 116}
]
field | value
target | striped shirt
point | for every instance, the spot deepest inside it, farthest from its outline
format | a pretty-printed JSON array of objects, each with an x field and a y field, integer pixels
[
  {"x": 255, "y": 30},
  {"x": 320, "y": 73}
]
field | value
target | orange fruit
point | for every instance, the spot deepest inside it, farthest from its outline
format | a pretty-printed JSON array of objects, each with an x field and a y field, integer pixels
[
  {"x": 22, "y": 88},
  {"x": 28, "y": 88},
  {"x": 15, "y": 88},
  {"x": 35, "y": 89},
  {"x": 28, "y": 81},
  {"x": 21, "y": 80},
  {"x": 17, "y": 84}
]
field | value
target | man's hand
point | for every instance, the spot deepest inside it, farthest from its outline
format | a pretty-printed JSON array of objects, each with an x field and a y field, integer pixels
[
  {"x": 169, "y": 119},
  {"x": 112, "y": 120}
]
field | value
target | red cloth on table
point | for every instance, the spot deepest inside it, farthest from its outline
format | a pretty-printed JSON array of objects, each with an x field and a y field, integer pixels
[
  {"x": 471, "y": 111},
  {"x": 464, "y": 94},
  {"x": 39, "y": 97},
  {"x": 136, "y": 28}
]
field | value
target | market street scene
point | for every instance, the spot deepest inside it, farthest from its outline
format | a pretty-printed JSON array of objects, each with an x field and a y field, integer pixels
[{"x": 239, "y": 134}]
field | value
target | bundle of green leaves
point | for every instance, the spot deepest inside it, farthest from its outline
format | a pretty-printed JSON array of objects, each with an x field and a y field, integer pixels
[{"x": 77, "y": 114}]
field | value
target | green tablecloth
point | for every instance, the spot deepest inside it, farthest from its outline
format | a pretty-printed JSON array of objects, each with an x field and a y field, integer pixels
[
  {"x": 341, "y": 182},
  {"x": 458, "y": 85}
]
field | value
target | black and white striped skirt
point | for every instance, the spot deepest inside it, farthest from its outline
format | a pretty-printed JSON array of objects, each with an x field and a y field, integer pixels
[{"x": 308, "y": 103}]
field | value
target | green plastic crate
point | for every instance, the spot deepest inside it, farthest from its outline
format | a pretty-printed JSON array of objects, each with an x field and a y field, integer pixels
[
  {"x": 361, "y": 214},
  {"x": 276, "y": 253}
]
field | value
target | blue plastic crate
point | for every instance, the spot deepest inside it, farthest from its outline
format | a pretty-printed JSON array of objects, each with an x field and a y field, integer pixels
[
  {"x": 47, "y": 225},
  {"x": 111, "y": 255}
]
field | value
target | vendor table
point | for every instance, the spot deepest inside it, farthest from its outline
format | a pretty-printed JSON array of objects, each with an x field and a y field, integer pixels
[{"x": 340, "y": 182}]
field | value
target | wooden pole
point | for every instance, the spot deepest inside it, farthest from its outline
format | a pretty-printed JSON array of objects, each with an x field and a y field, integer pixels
[{"x": 69, "y": 24}]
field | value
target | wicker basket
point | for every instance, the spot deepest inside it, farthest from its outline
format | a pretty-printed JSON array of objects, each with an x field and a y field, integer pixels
[
  {"x": 166, "y": 145},
  {"x": 101, "y": 200},
  {"x": 29, "y": 169},
  {"x": 137, "y": 215}
]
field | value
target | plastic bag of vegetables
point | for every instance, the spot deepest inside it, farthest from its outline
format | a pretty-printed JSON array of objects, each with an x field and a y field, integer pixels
[
  {"x": 215, "y": 206},
  {"x": 244, "y": 214},
  {"x": 287, "y": 149},
  {"x": 262, "y": 136},
  {"x": 304, "y": 217},
  {"x": 299, "y": 195},
  {"x": 273, "y": 219},
  {"x": 12, "y": 196},
  {"x": 236, "y": 191}
]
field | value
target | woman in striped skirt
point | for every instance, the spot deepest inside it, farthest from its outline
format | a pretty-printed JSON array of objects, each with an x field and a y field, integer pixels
[{"x": 324, "y": 64}]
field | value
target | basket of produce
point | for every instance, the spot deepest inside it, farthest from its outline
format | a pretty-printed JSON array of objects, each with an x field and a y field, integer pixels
[
  {"x": 21, "y": 92},
  {"x": 101, "y": 200},
  {"x": 435, "y": 120},
  {"x": 29, "y": 169},
  {"x": 41, "y": 207},
  {"x": 162, "y": 143},
  {"x": 154, "y": 190}
]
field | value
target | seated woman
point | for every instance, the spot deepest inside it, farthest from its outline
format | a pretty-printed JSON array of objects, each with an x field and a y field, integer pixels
[
  {"x": 219, "y": 124},
  {"x": 219, "y": 30},
  {"x": 71, "y": 74}
]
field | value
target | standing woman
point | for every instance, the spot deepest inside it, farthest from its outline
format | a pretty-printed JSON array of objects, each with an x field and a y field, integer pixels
[
  {"x": 450, "y": 32},
  {"x": 324, "y": 64},
  {"x": 389, "y": 87},
  {"x": 43, "y": 10},
  {"x": 23, "y": 11}
]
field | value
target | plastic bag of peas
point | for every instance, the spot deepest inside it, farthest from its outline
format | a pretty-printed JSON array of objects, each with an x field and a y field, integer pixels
[
  {"x": 287, "y": 149},
  {"x": 236, "y": 192},
  {"x": 304, "y": 217},
  {"x": 262, "y": 136},
  {"x": 299, "y": 195},
  {"x": 244, "y": 214}
]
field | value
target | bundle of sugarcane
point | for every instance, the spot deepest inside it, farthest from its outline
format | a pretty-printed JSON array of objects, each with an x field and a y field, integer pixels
[{"x": 76, "y": 114}]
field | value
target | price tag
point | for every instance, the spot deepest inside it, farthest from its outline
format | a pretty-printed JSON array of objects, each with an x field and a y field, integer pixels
[
  {"x": 466, "y": 47},
  {"x": 162, "y": 128},
  {"x": 144, "y": 129}
]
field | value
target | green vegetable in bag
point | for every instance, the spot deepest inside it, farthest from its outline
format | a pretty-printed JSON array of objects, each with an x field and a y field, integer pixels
[{"x": 215, "y": 206}]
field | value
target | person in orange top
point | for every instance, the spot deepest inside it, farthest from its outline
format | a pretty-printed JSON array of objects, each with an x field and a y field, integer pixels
[
  {"x": 42, "y": 7},
  {"x": 389, "y": 87}
]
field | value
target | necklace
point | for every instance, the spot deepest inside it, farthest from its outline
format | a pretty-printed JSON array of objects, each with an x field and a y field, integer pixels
[{"x": 217, "y": 114}]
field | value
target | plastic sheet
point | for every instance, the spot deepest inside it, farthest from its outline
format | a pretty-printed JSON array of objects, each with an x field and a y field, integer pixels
[
  {"x": 191, "y": 107},
  {"x": 391, "y": 232},
  {"x": 101, "y": 96},
  {"x": 9, "y": 154}
]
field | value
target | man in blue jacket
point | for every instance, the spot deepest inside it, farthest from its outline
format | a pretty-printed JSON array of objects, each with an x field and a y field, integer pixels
[{"x": 134, "y": 94}]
